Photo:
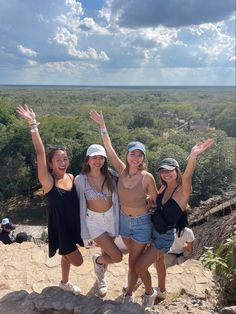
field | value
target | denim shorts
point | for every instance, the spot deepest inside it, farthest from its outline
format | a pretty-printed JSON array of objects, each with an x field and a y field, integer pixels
[
  {"x": 163, "y": 241},
  {"x": 138, "y": 228},
  {"x": 99, "y": 223}
]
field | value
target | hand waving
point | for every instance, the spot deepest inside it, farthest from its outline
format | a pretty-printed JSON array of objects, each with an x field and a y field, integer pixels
[
  {"x": 97, "y": 117},
  {"x": 202, "y": 146},
  {"x": 26, "y": 113}
]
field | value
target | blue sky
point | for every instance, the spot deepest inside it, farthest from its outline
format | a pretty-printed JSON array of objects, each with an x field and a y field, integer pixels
[{"x": 117, "y": 42}]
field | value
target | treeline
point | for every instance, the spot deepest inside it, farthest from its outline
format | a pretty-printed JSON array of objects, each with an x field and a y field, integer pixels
[{"x": 130, "y": 115}]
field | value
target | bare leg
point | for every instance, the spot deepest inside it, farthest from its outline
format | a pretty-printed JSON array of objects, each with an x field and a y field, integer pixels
[
  {"x": 142, "y": 265},
  {"x": 75, "y": 258},
  {"x": 135, "y": 249},
  {"x": 161, "y": 271},
  {"x": 110, "y": 252},
  {"x": 65, "y": 269}
]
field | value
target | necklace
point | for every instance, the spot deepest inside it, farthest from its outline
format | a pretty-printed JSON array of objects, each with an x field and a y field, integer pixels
[{"x": 132, "y": 175}]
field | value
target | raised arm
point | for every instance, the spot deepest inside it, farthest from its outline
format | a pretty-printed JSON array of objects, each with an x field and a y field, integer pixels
[
  {"x": 43, "y": 174},
  {"x": 198, "y": 149},
  {"x": 115, "y": 160}
]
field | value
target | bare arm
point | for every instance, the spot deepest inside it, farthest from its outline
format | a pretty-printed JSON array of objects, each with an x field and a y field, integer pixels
[
  {"x": 188, "y": 246},
  {"x": 115, "y": 160},
  {"x": 198, "y": 149},
  {"x": 151, "y": 187},
  {"x": 43, "y": 175}
]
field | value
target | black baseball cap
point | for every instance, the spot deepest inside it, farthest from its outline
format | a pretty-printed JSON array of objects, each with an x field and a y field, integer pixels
[{"x": 168, "y": 164}]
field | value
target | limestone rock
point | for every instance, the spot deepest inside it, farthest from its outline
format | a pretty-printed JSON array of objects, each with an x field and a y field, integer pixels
[
  {"x": 29, "y": 284},
  {"x": 228, "y": 310}
]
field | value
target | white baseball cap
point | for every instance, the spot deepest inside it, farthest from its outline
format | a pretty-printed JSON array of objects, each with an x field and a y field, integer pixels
[
  {"x": 96, "y": 150},
  {"x": 5, "y": 221}
]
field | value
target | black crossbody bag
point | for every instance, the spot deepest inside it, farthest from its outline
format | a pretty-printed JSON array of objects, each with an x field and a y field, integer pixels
[{"x": 159, "y": 220}]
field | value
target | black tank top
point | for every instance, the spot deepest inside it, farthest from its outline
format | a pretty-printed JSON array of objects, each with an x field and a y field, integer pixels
[
  {"x": 171, "y": 210},
  {"x": 63, "y": 220}
]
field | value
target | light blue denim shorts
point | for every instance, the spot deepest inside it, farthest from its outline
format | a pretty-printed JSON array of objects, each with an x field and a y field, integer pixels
[
  {"x": 163, "y": 241},
  {"x": 138, "y": 228}
]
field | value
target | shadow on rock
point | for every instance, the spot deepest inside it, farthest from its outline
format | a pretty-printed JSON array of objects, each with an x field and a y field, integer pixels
[{"x": 55, "y": 300}]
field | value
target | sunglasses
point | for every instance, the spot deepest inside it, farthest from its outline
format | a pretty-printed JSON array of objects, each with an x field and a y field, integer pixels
[{"x": 52, "y": 148}]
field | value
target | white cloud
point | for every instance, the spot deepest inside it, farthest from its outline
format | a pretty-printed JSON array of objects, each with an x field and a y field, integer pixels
[
  {"x": 70, "y": 41},
  {"x": 75, "y": 7},
  {"x": 32, "y": 62},
  {"x": 27, "y": 51},
  {"x": 69, "y": 36},
  {"x": 60, "y": 67}
]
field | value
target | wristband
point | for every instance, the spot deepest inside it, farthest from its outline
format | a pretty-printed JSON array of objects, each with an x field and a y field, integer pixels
[
  {"x": 103, "y": 131},
  {"x": 34, "y": 130},
  {"x": 33, "y": 123}
]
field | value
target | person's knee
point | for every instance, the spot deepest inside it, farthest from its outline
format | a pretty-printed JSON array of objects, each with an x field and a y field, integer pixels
[
  {"x": 119, "y": 257},
  {"x": 77, "y": 262},
  {"x": 139, "y": 268}
]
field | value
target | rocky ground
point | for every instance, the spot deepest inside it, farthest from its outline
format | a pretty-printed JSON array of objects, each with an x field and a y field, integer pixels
[{"x": 29, "y": 279}]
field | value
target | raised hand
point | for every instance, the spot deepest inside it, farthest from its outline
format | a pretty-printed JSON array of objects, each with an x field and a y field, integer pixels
[
  {"x": 202, "y": 146},
  {"x": 26, "y": 113},
  {"x": 97, "y": 117}
]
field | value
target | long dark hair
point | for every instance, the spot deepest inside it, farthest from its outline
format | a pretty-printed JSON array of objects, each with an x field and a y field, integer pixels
[
  {"x": 104, "y": 170},
  {"x": 51, "y": 150},
  {"x": 178, "y": 179},
  {"x": 182, "y": 223}
]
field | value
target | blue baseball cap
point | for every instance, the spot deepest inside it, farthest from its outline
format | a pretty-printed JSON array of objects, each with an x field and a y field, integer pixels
[{"x": 136, "y": 145}]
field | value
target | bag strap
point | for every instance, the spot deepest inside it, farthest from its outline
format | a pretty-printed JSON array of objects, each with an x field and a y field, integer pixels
[{"x": 174, "y": 190}]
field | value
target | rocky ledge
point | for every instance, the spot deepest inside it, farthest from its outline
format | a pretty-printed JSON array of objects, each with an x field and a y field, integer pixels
[{"x": 29, "y": 284}]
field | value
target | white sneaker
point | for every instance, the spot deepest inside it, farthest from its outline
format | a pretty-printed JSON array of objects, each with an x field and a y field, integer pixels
[
  {"x": 128, "y": 298},
  {"x": 102, "y": 287},
  {"x": 149, "y": 299},
  {"x": 138, "y": 283},
  {"x": 161, "y": 295},
  {"x": 99, "y": 271},
  {"x": 69, "y": 287}
]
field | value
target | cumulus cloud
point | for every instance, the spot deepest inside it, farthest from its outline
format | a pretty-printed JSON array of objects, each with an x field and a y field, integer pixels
[
  {"x": 139, "y": 39},
  {"x": 32, "y": 62},
  {"x": 74, "y": 28},
  {"x": 174, "y": 13},
  {"x": 27, "y": 51},
  {"x": 60, "y": 67},
  {"x": 70, "y": 41}
]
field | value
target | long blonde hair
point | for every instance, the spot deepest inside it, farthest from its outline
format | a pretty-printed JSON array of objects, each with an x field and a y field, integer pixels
[{"x": 142, "y": 166}]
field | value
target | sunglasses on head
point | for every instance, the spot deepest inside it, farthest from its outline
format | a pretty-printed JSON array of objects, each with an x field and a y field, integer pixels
[{"x": 51, "y": 148}]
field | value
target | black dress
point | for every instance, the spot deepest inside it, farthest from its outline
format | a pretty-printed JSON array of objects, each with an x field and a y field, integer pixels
[{"x": 63, "y": 220}]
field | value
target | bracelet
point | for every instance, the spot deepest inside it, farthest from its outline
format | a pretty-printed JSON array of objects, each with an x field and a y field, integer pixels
[
  {"x": 33, "y": 123},
  {"x": 34, "y": 130},
  {"x": 104, "y": 132}
]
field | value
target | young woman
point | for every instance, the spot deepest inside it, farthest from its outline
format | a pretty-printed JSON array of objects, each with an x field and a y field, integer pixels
[
  {"x": 171, "y": 202},
  {"x": 99, "y": 209},
  {"x": 184, "y": 238},
  {"x": 135, "y": 184},
  {"x": 63, "y": 203}
]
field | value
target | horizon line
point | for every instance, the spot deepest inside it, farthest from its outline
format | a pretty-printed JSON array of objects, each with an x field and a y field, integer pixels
[{"x": 111, "y": 85}]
